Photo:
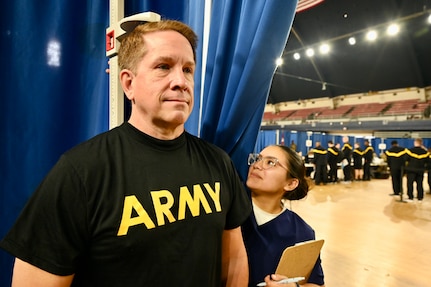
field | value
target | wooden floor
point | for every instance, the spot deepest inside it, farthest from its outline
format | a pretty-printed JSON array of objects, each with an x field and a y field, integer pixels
[{"x": 371, "y": 238}]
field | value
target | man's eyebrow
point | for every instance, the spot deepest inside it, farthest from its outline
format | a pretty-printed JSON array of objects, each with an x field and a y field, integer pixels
[{"x": 172, "y": 59}]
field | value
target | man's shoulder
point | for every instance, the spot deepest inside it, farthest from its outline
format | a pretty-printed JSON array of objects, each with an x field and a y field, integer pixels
[{"x": 204, "y": 144}]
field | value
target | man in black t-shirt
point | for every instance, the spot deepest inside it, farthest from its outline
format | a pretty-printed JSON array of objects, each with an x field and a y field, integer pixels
[{"x": 146, "y": 203}]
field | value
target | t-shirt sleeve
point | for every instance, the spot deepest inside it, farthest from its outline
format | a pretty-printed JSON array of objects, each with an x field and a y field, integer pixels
[
  {"x": 51, "y": 230},
  {"x": 241, "y": 204}
]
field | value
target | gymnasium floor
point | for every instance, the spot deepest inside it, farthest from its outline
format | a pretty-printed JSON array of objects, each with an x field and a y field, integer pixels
[{"x": 371, "y": 238}]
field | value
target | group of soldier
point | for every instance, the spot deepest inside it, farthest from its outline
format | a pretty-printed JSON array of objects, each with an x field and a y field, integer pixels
[
  {"x": 413, "y": 163},
  {"x": 356, "y": 164}
]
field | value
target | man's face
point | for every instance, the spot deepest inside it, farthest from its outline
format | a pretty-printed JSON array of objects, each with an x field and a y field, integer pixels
[{"x": 162, "y": 89}]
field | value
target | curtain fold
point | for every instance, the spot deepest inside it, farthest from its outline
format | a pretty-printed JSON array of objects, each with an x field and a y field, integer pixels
[
  {"x": 246, "y": 37},
  {"x": 54, "y": 93}
]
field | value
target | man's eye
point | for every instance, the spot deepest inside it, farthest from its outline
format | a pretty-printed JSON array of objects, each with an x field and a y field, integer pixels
[
  {"x": 188, "y": 70},
  {"x": 163, "y": 66}
]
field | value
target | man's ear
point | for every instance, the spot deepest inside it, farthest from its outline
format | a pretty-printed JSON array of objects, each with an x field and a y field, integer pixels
[
  {"x": 291, "y": 184},
  {"x": 126, "y": 80}
]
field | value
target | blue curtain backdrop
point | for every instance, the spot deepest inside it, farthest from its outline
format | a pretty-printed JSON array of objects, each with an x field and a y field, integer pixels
[
  {"x": 264, "y": 139},
  {"x": 246, "y": 37},
  {"x": 54, "y": 92}
]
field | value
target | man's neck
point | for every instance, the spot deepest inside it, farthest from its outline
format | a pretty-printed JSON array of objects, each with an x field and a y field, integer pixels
[{"x": 158, "y": 132}]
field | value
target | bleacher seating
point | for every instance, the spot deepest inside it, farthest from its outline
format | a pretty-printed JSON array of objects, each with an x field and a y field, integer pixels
[
  {"x": 411, "y": 108},
  {"x": 277, "y": 116},
  {"x": 368, "y": 110},
  {"x": 407, "y": 107},
  {"x": 338, "y": 112},
  {"x": 303, "y": 114}
]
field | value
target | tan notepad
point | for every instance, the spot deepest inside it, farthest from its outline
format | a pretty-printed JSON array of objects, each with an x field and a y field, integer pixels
[{"x": 299, "y": 260}]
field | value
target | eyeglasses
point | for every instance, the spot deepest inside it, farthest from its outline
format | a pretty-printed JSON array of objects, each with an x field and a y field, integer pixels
[{"x": 267, "y": 161}]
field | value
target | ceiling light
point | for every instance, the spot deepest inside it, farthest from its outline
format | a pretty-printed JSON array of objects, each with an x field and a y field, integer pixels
[
  {"x": 371, "y": 35},
  {"x": 324, "y": 49},
  {"x": 279, "y": 62},
  {"x": 429, "y": 19},
  {"x": 393, "y": 29},
  {"x": 352, "y": 41},
  {"x": 297, "y": 56},
  {"x": 309, "y": 52}
]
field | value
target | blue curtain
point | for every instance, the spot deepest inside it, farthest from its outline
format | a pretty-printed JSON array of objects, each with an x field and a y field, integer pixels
[
  {"x": 54, "y": 89},
  {"x": 265, "y": 138},
  {"x": 246, "y": 37}
]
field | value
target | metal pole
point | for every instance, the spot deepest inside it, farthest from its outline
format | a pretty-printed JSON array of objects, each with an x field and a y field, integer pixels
[{"x": 116, "y": 96}]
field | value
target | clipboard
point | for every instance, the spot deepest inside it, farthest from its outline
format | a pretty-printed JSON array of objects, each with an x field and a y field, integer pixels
[{"x": 299, "y": 260}]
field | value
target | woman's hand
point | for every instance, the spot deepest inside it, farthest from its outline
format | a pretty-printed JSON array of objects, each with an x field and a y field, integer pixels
[{"x": 271, "y": 280}]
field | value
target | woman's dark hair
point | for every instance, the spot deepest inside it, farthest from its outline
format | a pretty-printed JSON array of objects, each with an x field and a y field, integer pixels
[{"x": 296, "y": 169}]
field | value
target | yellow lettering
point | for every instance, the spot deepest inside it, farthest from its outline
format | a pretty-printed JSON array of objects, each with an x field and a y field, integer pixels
[
  {"x": 162, "y": 209},
  {"x": 130, "y": 203},
  {"x": 215, "y": 195},
  {"x": 186, "y": 199}
]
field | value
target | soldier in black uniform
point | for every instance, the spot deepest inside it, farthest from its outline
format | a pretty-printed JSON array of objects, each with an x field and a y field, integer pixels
[
  {"x": 368, "y": 157},
  {"x": 417, "y": 160},
  {"x": 333, "y": 156},
  {"x": 320, "y": 162},
  {"x": 347, "y": 156},
  {"x": 396, "y": 161},
  {"x": 358, "y": 155},
  {"x": 429, "y": 170}
]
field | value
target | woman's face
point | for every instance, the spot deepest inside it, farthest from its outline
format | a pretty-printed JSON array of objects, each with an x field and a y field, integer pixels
[{"x": 272, "y": 180}]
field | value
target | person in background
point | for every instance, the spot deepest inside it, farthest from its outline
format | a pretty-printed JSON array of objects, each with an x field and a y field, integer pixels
[
  {"x": 357, "y": 161},
  {"x": 333, "y": 156},
  {"x": 417, "y": 159},
  {"x": 429, "y": 170},
  {"x": 320, "y": 163},
  {"x": 368, "y": 158},
  {"x": 347, "y": 160},
  {"x": 395, "y": 157},
  {"x": 276, "y": 176},
  {"x": 293, "y": 145},
  {"x": 146, "y": 203}
]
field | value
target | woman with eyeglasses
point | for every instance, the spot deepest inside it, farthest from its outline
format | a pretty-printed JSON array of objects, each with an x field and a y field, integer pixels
[{"x": 276, "y": 176}]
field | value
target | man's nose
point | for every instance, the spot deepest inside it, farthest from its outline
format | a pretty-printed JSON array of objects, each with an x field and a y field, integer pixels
[{"x": 179, "y": 80}]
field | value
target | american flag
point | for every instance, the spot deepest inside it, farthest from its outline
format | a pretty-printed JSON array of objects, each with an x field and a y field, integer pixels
[{"x": 306, "y": 4}]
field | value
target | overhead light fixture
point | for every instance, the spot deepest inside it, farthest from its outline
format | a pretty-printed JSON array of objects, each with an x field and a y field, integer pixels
[
  {"x": 429, "y": 19},
  {"x": 393, "y": 29},
  {"x": 323, "y": 86},
  {"x": 352, "y": 41},
  {"x": 309, "y": 52},
  {"x": 324, "y": 49},
  {"x": 297, "y": 56},
  {"x": 371, "y": 35},
  {"x": 279, "y": 62}
]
